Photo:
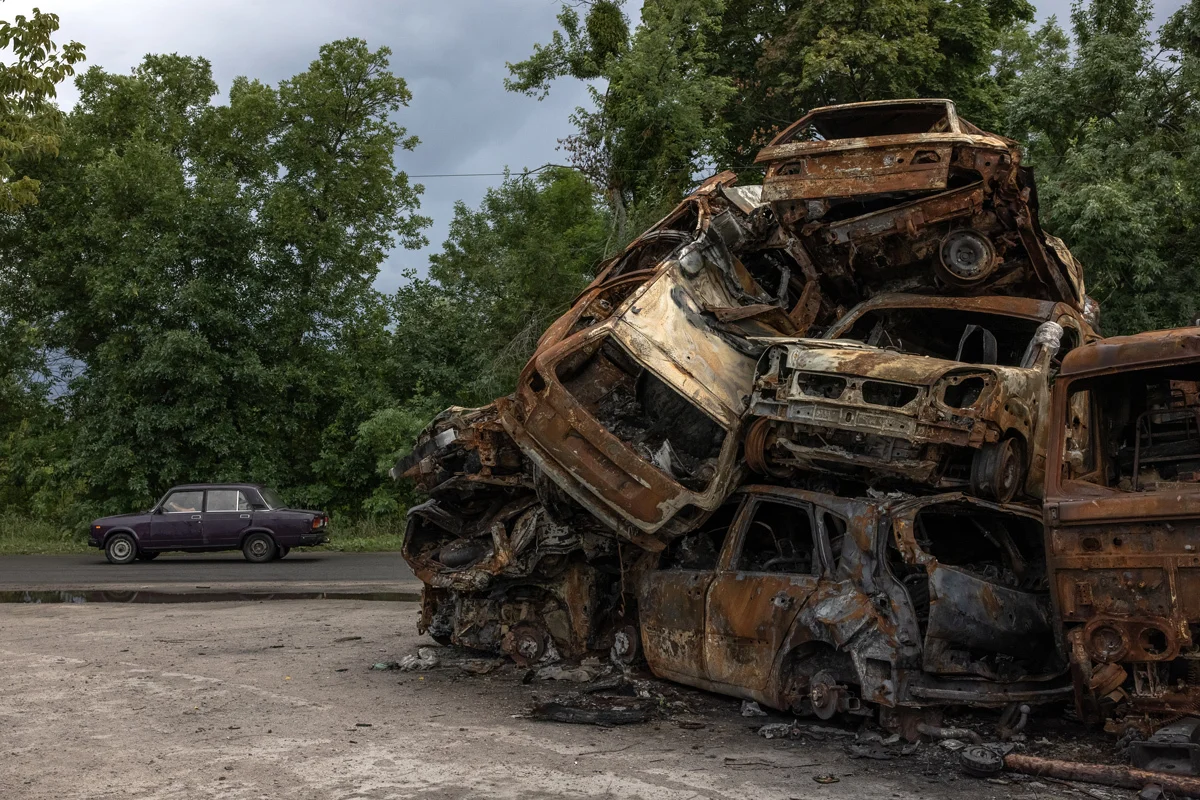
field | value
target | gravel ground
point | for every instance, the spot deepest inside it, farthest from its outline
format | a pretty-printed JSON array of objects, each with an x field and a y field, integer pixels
[{"x": 278, "y": 700}]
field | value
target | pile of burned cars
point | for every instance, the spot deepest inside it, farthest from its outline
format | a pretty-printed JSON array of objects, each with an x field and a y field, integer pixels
[{"x": 846, "y": 442}]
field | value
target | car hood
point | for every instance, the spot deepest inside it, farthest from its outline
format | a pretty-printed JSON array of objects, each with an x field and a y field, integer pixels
[{"x": 847, "y": 357}]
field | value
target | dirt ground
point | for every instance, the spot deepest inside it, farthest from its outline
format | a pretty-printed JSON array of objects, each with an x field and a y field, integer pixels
[{"x": 277, "y": 700}]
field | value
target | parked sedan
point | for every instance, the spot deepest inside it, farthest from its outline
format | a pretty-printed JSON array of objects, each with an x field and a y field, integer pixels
[{"x": 202, "y": 518}]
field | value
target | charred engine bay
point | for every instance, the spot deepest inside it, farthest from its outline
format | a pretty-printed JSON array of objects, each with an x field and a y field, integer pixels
[{"x": 834, "y": 445}]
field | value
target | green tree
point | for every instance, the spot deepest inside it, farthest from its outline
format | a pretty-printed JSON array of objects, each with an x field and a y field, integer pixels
[
  {"x": 30, "y": 123},
  {"x": 1110, "y": 118},
  {"x": 211, "y": 267},
  {"x": 655, "y": 122}
]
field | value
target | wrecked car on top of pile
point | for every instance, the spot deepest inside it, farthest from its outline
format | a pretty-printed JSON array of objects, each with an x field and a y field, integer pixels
[
  {"x": 812, "y": 603},
  {"x": 906, "y": 196},
  {"x": 632, "y": 403},
  {"x": 912, "y": 389},
  {"x": 1122, "y": 513}
]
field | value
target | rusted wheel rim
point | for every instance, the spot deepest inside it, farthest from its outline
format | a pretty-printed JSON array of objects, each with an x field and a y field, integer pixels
[{"x": 756, "y": 448}]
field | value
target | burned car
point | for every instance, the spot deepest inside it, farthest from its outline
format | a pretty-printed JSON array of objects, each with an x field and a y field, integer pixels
[
  {"x": 632, "y": 403},
  {"x": 821, "y": 605},
  {"x": 1123, "y": 519},
  {"x": 917, "y": 390},
  {"x": 905, "y": 195}
]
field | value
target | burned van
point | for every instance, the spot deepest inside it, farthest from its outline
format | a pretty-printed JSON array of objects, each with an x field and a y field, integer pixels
[
  {"x": 913, "y": 390},
  {"x": 905, "y": 195},
  {"x": 1122, "y": 512},
  {"x": 821, "y": 605},
  {"x": 632, "y": 403}
]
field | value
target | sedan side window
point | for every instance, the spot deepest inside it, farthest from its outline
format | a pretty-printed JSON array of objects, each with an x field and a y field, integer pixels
[
  {"x": 223, "y": 500},
  {"x": 702, "y": 549},
  {"x": 780, "y": 539},
  {"x": 244, "y": 502},
  {"x": 183, "y": 502}
]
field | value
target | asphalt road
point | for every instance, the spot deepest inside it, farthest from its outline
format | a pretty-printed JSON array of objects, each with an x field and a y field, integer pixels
[{"x": 176, "y": 572}]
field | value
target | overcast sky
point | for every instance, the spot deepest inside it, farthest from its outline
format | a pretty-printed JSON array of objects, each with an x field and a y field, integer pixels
[{"x": 451, "y": 52}]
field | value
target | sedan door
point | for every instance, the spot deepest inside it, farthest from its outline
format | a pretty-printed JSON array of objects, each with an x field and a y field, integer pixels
[
  {"x": 671, "y": 605},
  {"x": 176, "y": 525},
  {"x": 227, "y": 515},
  {"x": 776, "y": 564}
]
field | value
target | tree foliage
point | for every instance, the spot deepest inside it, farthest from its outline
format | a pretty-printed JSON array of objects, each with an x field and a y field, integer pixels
[
  {"x": 1110, "y": 117},
  {"x": 30, "y": 124},
  {"x": 210, "y": 268}
]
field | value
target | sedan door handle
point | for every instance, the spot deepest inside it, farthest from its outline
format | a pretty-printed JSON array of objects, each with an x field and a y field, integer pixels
[
  {"x": 243, "y": 516},
  {"x": 195, "y": 516}
]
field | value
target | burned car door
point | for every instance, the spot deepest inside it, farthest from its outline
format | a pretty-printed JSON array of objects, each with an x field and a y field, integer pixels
[
  {"x": 773, "y": 566},
  {"x": 672, "y": 598},
  {"x": 975, "y": 574}
]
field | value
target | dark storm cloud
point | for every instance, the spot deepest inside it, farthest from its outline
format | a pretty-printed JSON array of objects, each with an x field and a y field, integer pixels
[{"x": 451, "y": 52}]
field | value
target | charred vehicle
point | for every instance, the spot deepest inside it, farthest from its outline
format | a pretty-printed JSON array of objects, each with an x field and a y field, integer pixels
[
  {"x": 500, "y": 572},
  {"x": 1122, "y": 513},
  {"x": 816, "y": 604},
  {"x": 632, "y": 403},
  {"x": 910, "y": 389},
  {"x": 905, "y": 195}
]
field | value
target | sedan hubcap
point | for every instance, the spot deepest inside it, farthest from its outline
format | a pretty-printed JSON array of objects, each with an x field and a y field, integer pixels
[
  {"x": 121, "y": 549},
  {"x": 258, "y": 547}
]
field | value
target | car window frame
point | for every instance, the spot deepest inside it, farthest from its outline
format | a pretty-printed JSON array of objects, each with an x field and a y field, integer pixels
[
  {"x": 735, "y": 543},
  {"x": 234, "y": 510},
  {"x": 162, "y": 508}
]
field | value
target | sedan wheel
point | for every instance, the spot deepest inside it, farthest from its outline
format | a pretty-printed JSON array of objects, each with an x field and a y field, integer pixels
[
  {"x": 259, "y": 548},
  {"x": 120, "y": 549}
]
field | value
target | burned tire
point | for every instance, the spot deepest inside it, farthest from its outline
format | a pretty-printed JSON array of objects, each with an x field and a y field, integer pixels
[
  {"x": 120, "y": 549},
  {"x": 144, "y": 556},
  {"x": 998, "y": 470},
  {"x": 259, "y": 548}
]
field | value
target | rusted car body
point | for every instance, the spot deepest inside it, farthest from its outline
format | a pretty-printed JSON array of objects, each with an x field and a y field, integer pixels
[
  {"x": 1123, "y": 519},
  {"x": 817, "y": 604},
  {"x": 911, "y": 389},
  {"x": 905, "y": 195},
  {"x": 632, "y": 403}
]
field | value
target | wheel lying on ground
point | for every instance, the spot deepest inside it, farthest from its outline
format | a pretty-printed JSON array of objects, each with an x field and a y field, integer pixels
[
  {"x": 144, "y": 556},
  {"x": 120, "y": 549},
  {"x": 998, "y": 470},
  {"x": 259, "y": 548}
]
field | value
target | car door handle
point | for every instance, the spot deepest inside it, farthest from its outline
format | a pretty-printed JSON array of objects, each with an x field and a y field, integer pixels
[
  {"x": 243, "y": 516},
  {"x": 195, "y": 516}
]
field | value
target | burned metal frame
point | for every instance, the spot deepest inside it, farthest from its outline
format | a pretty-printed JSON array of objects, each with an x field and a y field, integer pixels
[
  {"x": 816, "y": 408},
  {"x": 849, "y": 631},
  {"x": 876, "y": 211},
  {"x": 1124, "y": 563}
]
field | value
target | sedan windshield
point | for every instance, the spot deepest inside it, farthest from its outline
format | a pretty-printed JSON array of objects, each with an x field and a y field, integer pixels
[
  {"x": 272, "y": 498},
  {"x": 947, "y": 333}
]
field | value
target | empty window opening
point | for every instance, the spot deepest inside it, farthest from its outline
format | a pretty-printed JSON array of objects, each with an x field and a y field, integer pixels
[
  {"x": 779, "y": 539},
  {"x": 701, "y": 549},
  {"x": 947, "y": 333},
  {"x": 999, "y": 547}
]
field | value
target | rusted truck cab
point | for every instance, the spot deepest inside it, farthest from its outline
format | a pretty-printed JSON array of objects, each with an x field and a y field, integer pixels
[
  {"x": 916, "y": 390},
  {"x": 818, "y": 604},
  {"x": 1122, "y": 513}
]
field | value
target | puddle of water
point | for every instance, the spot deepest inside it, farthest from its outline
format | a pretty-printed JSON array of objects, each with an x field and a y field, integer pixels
[{"x": 99, "y": 596}]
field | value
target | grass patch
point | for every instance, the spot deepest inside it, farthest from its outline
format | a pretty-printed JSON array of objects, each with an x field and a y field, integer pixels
[
  {"x": 364, "y": 535},
  {"x": 20, "y": 535}
]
